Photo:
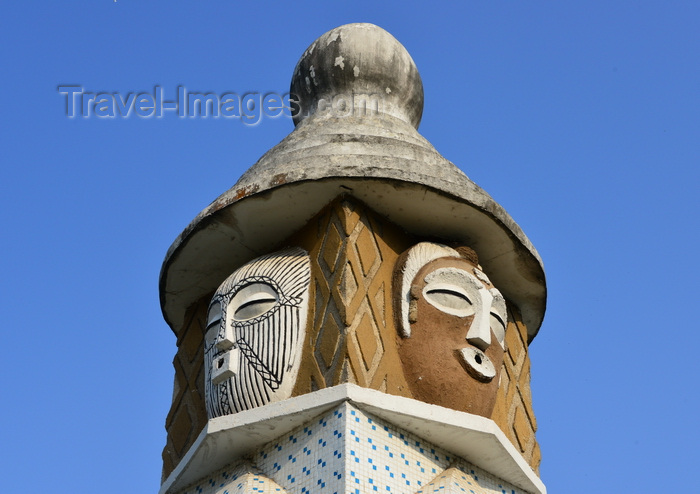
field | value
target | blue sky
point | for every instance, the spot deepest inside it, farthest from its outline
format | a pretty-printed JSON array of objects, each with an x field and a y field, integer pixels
[{"x": 582, "y": 119}]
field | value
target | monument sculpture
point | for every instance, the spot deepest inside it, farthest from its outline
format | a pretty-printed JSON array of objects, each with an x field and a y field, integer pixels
[{"x": 354, "y": 314}]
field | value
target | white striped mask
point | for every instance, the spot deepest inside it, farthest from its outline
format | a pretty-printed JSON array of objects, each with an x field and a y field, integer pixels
[{"x": 255, "y": 330}]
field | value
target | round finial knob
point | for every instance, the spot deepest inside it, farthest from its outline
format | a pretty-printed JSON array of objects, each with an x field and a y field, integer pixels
[{"x": 357, "y": 69}]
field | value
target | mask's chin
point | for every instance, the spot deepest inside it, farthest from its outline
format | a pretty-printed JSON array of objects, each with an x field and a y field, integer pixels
[{"x": 477, "y": 364}]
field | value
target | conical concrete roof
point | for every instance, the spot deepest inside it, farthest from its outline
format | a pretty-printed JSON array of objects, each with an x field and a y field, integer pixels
[{"x": 376, "y": 156}]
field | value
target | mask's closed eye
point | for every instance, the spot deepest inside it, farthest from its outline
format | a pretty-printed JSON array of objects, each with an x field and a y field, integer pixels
[
  {"x": 498, "y": 327},
  {"x": 449, "y": 298},
  {"x": 499, "y": 316},
  {"x": 213, "y": 323},
  {"x": 252, "y": 301}
]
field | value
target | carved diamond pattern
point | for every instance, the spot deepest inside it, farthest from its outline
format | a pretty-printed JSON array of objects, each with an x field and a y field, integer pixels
[
  {"x": 327, "y": 342},
  {"x": 513, "y": 412},
  {"x": 187, "y": 414},
  {"x": 368, "y": 340},
  {"x": 352, "y": 338},
  {"x": 349, "y": 298},
  {"x": 368, "y": 252},
  {"x": 348, "y": 285},
  {"x": 331, "y": 249}
]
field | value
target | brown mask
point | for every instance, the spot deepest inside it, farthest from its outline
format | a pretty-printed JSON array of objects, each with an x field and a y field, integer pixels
[{"x": 453, "y": 349}]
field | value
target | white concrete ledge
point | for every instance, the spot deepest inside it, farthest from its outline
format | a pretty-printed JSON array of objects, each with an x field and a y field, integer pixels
[{"x": 476, "y": 439}]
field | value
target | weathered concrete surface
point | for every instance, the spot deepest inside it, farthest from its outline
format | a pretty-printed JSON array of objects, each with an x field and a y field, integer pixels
[
  {"x": 379, "y": 159},
  {"x": 350, "y": 63}
]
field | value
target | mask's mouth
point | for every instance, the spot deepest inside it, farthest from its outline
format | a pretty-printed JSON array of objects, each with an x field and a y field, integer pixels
[{"x": 477, "y": 364}]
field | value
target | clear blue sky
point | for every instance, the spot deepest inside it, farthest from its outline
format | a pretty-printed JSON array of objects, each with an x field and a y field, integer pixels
[{"x": 581, "y": 118}]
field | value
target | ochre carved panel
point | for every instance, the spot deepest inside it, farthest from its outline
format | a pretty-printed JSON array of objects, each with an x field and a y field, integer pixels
[
  {"x": 187, "y": 415},
  {"x": 513, "y": 411},
  {"x": 351, "y": 337}
]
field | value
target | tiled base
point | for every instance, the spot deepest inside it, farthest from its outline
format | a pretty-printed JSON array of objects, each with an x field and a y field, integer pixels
[
  {"x": 241, "y": 479},
  {"x": 347, "y": 451}
]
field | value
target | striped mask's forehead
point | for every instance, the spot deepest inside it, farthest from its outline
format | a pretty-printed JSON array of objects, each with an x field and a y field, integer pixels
[{"x": 288, "y": 270}]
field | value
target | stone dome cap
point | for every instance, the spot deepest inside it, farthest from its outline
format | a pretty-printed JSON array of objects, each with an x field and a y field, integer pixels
[
  {"x": 355, "y": 65},
  {"x": 378, "y": 158}
]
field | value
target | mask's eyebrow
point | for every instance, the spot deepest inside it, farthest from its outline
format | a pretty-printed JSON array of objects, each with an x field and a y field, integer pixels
[
  {"x": 455, "y": 276},
  {"x": 482, "y": 276}
]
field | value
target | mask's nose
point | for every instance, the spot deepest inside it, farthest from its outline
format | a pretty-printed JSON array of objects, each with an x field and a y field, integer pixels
[
  {"x": 227, "y": 341},
  {"x": 226, "y": 364},
  {"x": 479, "y": 333}
]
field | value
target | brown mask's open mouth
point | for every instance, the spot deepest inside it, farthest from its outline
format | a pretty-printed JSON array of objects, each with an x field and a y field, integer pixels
[{"x": 477, "y": 364}]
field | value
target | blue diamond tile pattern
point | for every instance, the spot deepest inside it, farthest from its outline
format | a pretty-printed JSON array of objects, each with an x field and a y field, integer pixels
[
  {"x": 242, "y": 478},
  {"x": 347, "y": 451}
]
